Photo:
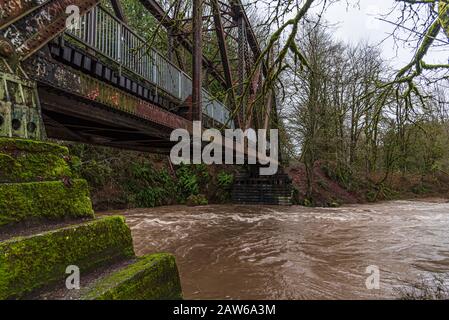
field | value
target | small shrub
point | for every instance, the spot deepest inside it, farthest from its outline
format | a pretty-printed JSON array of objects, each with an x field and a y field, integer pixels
[
  {"x": 202, "y": 173},
  {"x": 197, "y": 200},
  {"x": 296, "y": 196},
  {"x": 75, "y": 165},
  {"x": 420, "y": 189},
  {"x": 148, "y": 187},
  {"x": 334, "y": 204},
  {"x": 149, "y": 197},
  {"x": 225, "y": 180},
  {"x": 308, "y": 203},
  {"x": 187, "y": 182}
]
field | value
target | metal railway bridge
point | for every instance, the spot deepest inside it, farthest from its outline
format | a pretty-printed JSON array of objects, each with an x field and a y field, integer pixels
[{"x": 100, "y": 82}]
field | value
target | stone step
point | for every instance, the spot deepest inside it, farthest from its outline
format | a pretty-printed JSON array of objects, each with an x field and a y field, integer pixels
[
  {"x": 249, "y": 188},
  {"x": 46, "y": 200},
  {"x": 151, "y": 277},
  {"x": 24, "y": 160},
  {"x": 33, "y": 262},
  {"x": 30, "y": 228},
  {"x": 260, "y": 195},
  {"x": 260, "y": 200},
  {"x": 258, "y": 188},
  {"x": 40, "y": 202},
  {"x": 262, "y": 192}
]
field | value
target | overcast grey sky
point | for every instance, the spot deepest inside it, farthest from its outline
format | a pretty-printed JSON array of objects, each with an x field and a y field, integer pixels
[{"x": 358, "y": 23}]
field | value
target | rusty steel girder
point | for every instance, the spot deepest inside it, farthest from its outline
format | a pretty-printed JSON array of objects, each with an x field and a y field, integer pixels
[
  {"x": 64, "y": 78},
  {"x": 239, "y": 11},
  {"x": 11, "y": 10},
  {"x": 29, "y": 25},
  {"x": 170, "y": 24},
  {"x": 230, "y": 22},
  {"x": 197, "y": 82},
  {"x": 221, "y": 36}
]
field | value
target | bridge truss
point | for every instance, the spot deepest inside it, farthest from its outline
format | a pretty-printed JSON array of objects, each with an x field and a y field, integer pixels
[{"x": 102, "y": 83}]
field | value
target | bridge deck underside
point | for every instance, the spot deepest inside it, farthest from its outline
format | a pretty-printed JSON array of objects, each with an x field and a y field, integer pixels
[{"x": 69, "y": 117}]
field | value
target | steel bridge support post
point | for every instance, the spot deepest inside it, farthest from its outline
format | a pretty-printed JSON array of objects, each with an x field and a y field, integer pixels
[
  {"x": 241, "y": 69},
  {"x": 20, "y": 113},
  {"x": 197, "y": 60}
]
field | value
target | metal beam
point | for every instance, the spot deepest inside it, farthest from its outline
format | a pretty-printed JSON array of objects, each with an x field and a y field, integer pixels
[
  {"x": 170, "y": 24},
  {"x": 36, "y": 28},
  {"x": 118, "y": 9},
  {"x": 71, "y": 81},
  {"x": 51, "y": 122},
  {"x": 242, "y": 63},
  {"x": 197, "y": 83},
  {"x": 239, "y": 11},
  {"x": 222, "y": 44}
]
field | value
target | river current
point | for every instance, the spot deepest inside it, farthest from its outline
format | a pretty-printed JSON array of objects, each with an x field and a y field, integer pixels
[{"x": 264, "y": 252}]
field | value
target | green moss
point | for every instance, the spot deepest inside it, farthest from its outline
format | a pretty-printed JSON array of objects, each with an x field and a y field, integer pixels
[
  {"x": 44, "y": 200},
  {"x": 32, "y": 262},
  {"x": 13, "y": 144},
  {"x": 443, "y": 16},
  {"x": 152, "y": 277},
  {"x": 29, "y": 160}
]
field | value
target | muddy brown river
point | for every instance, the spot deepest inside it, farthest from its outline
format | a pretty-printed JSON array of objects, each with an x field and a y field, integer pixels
[{"x": 263, "y": 252}]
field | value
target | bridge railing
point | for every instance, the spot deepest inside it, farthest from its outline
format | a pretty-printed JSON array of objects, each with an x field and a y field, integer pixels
[
  {"x": 214, "y": 109},
  {"x": 106, "y": 34}
]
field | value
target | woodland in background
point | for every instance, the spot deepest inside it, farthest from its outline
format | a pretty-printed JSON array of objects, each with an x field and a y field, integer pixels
[{"x": 375, "y": 145}]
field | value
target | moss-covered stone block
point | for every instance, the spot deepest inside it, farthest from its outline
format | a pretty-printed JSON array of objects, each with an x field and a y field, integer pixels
[
  {"x": 29, "y": 263},
  {"x": 51, "y": 200},
  {"x": 152, "y": 277},
  {"x": 28, "y": 160},
  {"x": 15, "y": 144}
]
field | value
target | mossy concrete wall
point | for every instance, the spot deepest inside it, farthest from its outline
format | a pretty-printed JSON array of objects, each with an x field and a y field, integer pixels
[
  {"x": 36, "y": 182},
  {"x": 29, "y": 263},
  {"x": 51, "y": 200},
  {"x": 152, "y": 277},
  {"x": 28, "y": 160}
]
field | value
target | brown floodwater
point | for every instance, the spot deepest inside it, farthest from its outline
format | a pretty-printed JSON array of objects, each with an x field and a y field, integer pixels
[{"x": 264, "y": 252}]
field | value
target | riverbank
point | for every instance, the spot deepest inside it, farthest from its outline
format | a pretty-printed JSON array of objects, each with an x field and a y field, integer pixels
[
  {"x": 329, "y": 190},
  {"x": 120, "y": 179},
  {"x": 125, "y": 179}
]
